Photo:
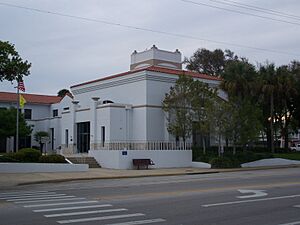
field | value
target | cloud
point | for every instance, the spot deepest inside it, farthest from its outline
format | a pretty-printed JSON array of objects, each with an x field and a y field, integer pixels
[{"x": 66, "y": 51}]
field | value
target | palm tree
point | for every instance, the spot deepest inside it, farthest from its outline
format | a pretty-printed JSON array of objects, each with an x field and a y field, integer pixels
[
  {"x": 286, "y": 98},
  {"x": 239, "y": 79},
  {"x": 268, "y": 86}
]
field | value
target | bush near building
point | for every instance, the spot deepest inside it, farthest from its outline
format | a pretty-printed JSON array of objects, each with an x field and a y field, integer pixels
[
  {"x": 30, "y": 155},
  {"x": 54, "y": 158}
]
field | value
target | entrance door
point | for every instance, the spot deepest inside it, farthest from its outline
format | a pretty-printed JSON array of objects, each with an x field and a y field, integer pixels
[{"x": 83, "y": 137}]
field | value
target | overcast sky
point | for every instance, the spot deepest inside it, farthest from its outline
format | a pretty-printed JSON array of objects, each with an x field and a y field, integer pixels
[{"x": 65, "y": 51}]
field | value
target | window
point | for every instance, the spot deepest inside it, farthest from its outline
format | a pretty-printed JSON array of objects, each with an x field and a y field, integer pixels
[
  {"x": 55, "y": 113},
  {"x": 67, "y": 138},
  {"x": 66, "y": 108},
  {"x": 27, "y": 114},
  {"x": 103, "y": 135}
]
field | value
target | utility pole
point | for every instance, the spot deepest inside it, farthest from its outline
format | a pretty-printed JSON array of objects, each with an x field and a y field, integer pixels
[{"x": 17, "y": 128}]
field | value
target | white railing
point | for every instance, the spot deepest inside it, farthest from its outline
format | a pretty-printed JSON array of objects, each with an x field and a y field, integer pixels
[{"x": 143, "y": 145}]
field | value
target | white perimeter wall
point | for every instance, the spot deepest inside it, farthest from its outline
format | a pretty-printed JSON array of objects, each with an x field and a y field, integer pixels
[
  {"x": 114, "y": 159},
  {"x": 42, "y": 167}
]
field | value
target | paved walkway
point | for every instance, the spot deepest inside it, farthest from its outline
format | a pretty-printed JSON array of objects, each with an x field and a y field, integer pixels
[{"x": 14, "y": 179}]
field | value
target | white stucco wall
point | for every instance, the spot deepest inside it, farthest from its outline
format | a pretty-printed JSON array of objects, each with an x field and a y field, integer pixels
[
  {"x": 129, "y": 89},
  {"x": 162, "y": 158},
  {"x": 42, "y": 167}
]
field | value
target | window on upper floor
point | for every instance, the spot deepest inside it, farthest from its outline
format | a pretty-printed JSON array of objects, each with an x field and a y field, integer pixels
[
  {"x": 66, "y": 108},
  {"x": 55, "y": 113},
  {"x": 27, "y": 114}
]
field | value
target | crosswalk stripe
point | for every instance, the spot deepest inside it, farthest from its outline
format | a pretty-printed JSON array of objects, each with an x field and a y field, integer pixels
[
  {"x": 71, "y": 208},
  {"x": 21, "y": 192},
  {"x": 85, "y": 212},
  {"x": 32, "y": 197},
  {"x": 26, "y": 195},
  {"x": 159, "y": 220},
  {"x": 63, "y": 203},
  {"x": 67, "y": 198},
  {"x": 100, "y": 218}
]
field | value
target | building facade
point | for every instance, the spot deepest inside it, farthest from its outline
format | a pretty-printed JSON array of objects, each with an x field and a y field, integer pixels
[{"x": 120, "y": 117}]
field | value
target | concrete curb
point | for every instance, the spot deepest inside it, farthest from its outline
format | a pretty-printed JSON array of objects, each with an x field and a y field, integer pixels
[{"x": 213, "y": 171}]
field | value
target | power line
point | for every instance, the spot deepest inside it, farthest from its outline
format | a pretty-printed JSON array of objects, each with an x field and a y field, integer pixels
[
  {"x": 240, "y": 12},
  {"x": 271, "y": 11},
  {"x": 148, "y": 29}
]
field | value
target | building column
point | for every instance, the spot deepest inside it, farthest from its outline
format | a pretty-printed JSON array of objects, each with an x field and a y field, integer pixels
[
  {"x": 94, "y": 124},
  {"x": 128, "y": 135},
  {"x": 75, "y": 106}
]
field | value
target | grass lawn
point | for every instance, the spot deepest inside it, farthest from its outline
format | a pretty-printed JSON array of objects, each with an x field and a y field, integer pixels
[{"x": 292, "y": 156}]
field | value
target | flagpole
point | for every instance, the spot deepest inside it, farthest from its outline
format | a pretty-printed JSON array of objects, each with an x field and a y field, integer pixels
[{"x": 18, "y": 108}]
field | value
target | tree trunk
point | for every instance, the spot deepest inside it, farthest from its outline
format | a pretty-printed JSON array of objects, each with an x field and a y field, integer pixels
[
  {"x": 219, "y": 147},
  {"x": 286, "y": 133},
  {"x": 234, "y": 149},
  {"x": 41, "y": 147},
  {"x": 271, "y": 122},
  {"x": 203, "y": 145}
]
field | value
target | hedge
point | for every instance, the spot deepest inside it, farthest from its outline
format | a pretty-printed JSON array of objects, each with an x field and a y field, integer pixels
[
  {"x": 54, "y": 158},
  {"x": 27, "y": 155}
]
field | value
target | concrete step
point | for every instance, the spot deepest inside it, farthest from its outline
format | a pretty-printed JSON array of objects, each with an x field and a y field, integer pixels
[{"x": 85, "y": 160}]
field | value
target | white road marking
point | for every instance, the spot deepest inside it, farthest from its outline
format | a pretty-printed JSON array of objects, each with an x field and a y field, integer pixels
[
  {"x": 85, "y": 212},
  {"x": 298, "y": 206},
  {"x": 22, "y": 192},
  {"x": 100, "y": 218},
  {"x": 50, "y": 200},
  {"x": 254, "y": 193},
  {"x": 71, "y": 208},
  {"x": 292, "y": 223},
  {"x": 139, "y": 222},
  {"x": 27, "y": 195},
  {"x": 252, "y": 200},
  {"x": 63, "y": 203},
  {"x": 34, "y": 197}
]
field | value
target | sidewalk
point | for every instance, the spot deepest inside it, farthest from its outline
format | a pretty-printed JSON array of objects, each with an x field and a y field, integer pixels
[{"x": 15, "y": 179}]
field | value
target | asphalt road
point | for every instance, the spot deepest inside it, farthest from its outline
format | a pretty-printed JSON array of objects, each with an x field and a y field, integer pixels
[{"x": 269, "y": 197}]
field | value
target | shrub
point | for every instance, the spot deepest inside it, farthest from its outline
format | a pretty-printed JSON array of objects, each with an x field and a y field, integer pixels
[
  {"x": 8, "y": 158},
  {"x": 52, "y": 159},
  {"x": 224, "y": 162},
  {"x": 27, "y": 155}
]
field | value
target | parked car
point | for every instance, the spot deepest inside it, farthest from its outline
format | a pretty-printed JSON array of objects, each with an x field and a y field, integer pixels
[{"x": 296, "y": 148}]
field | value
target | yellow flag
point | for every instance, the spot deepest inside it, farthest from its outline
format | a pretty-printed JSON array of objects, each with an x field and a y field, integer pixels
[{"x": 22, "y": 101}]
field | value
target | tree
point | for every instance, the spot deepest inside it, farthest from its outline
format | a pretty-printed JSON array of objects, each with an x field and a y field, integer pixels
[
  {"x": 243, "y": 125},
  {"x": 202, "y": 99},
  {"x": 12, "y": 67},
  {"x": 240, "y": 83},
  {"x": 177, "y": 105},
  {"x": 61, "y": 93},
  {"x": 239, "y": 80},
  {"x": 218, "y": 118},
  {"x": 8, "y": 119},
  {"x": 209, "y": 62},
  {"x": 269, "y": 84},
  {"x": 286, "y": 98},
  {"x": 39, "y": 137}
]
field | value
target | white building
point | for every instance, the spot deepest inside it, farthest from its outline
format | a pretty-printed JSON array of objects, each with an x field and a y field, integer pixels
[
  {"x": 118, "y": 118},
  {"x": 42, "y": 112}
]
